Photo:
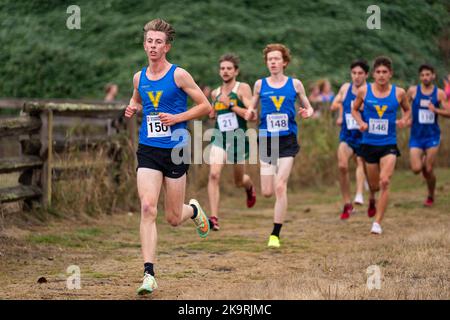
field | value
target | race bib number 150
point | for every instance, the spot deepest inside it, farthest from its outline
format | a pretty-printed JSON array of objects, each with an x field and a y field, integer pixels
[{"x": 155, "y": 128}]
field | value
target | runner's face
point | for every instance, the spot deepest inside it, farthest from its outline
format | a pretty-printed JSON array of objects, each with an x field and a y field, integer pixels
[
  {"x": 359, "y": 76},
  {"x": 275, "y": 62},
  {"x": 426, "y": 77},
  {"x": 155, "y": 45},
  {"x": 382, "y": 75},
  {"x": 227, "y": 71}
]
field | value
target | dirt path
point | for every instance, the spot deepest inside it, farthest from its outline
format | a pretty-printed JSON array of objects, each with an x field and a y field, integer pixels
[{"x": 321, "y": 257}]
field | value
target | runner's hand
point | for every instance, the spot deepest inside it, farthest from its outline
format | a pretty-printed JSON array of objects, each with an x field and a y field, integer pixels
[
  {"x": 401, "y": 123},
  {"x": 168, "y": 119},
  {"x": 432, "y": 107},
  {"x": 250, "y": 115},
  {"x": 363, "y": 126},
  {"x": 131, "y": 110},
  {"x": 212, "y": 114},
  {"x": 305, "y": 112},
  {"x": 339, "y": 121}
]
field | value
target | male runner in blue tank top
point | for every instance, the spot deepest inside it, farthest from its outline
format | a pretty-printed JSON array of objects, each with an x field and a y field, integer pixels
[
  {"x": 161, "y": 91},
  {"x": 277, "y": 94},
  {"x": 350, "y": 136},
  {"x": 380, "y": 101},
  {"x": 428, "y": 101}
]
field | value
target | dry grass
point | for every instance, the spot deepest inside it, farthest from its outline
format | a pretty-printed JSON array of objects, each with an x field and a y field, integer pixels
[{"x": 321, "y": 257}]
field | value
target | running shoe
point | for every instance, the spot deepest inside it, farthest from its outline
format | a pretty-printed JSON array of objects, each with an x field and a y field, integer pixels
[
  {"x": 348, "y": 210},
  {"x": 274, "y": 242},
  {"x": 429, "y": 202},
  {"x": 251, "y": 197},
  {"x": 201, "y": 220},
  {"x": 359, "y": 199},
  {"x": 214, "y": 223},
  {"x": 372, "y": 211},
  {"x": 376, "y": 228},
  {"x": 148, "y": 285}
]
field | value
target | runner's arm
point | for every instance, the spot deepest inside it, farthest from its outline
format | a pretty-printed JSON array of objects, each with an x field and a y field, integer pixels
[
  {"x": 201, "y": 108},
  {"x": 406, "y": 109},
  {"x": 305, "y": 110},
  {"x": 445, "y": 110},
  {"x": 411, "y": 94},
  {"x": 357, "y": 105},
  {"x": 245, "y": 95},
  {"x": 251, "y": 113},
  {"x": 339, "y": 99},
  {"x": 135, "y": 103},
  {"x": 338, "y": 103},
  {"x": 212, "y": 114}
]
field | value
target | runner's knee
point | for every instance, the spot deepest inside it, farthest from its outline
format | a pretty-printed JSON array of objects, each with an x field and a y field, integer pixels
[
  {"x": 214, "y": 176},
  {"x": 148, "y": 210},
  {"x": 281, "y": 188},
  {"x": 384, "y": 183},
  {"x": 343, "y": 167},
  {"x": 374, "y": 187},
  {"x": 173, "y": 219},
  {"x": 416, "y": 169},
  {"x": 267, "y": 192}
]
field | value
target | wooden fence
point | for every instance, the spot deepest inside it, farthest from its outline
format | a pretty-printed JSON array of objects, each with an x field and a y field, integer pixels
[{"x": 41, "y": 130}]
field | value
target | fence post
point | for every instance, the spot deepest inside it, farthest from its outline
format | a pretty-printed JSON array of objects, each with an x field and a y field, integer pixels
[{"x": 47, "y": 141}]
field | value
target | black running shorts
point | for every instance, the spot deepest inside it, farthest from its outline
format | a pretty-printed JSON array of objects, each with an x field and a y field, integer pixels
[
  {"x": 373, "y": 154},
  {"x": 161, "y": 159},
  {"x": 287, "y": 147}
]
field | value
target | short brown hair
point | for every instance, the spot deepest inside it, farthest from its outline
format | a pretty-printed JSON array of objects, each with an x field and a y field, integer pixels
[
  {"x": 162, "y": 26},
  {"x": 230, "y": 57},
  {"x": 286, "y": 53},
  {"x": 382, "y": 61},
  {"x": 426, "y": 66}
]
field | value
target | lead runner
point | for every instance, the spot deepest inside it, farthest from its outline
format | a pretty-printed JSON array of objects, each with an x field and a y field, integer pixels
[{"x": 161, "y": 91}]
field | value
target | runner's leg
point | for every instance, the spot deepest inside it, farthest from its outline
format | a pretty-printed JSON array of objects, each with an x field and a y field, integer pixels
[
  {"x": 387, "y": 167},
  {"x": 281, "y": 180},
  {"x": 149, "y": 185},
  {"x": 344, "y": 154},
  {"x": 428, "y": 172},
  {"x": 217, "y": 160}
]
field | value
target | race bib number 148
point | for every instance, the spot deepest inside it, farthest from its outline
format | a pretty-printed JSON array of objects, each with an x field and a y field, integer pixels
[{"x": 379, "y": 126}]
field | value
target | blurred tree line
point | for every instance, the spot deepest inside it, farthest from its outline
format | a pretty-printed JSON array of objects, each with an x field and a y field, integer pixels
[{"x": 40, "y": 57}]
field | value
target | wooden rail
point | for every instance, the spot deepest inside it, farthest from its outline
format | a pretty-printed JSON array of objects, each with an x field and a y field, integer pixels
[{"x": 42, "y": 133}]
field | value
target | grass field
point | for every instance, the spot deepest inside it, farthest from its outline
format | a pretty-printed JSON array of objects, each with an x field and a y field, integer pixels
[{"x": 321, "y": 257}]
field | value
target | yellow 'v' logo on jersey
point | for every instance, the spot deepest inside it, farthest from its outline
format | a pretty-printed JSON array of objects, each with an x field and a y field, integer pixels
[
  {"x": 277, "y": 101},
  {"x": 153, "y": 99},
  {"x": 381, "y": 110}
]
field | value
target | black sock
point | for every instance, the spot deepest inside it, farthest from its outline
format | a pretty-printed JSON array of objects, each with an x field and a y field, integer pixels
[
  {"x": 195, "y": 212},
  {"x": 276, "y": 229},
  {"x": 148, "y": 268}
]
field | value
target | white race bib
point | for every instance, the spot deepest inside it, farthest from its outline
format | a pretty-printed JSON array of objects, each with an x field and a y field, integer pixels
[
  {"x": 424, "y": 103},
  {"x": 277, "y": 122},
  {"x": 227, "y": 122},
  {"x": 379, "y": 126},
  {"x": 155, "y": 128},
  {"x": 351, "y": 122},
  {"x": 426, "y": 116}
]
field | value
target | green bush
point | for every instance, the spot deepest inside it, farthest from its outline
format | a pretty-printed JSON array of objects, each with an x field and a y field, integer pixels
[{"x": 42, "y": 58}]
